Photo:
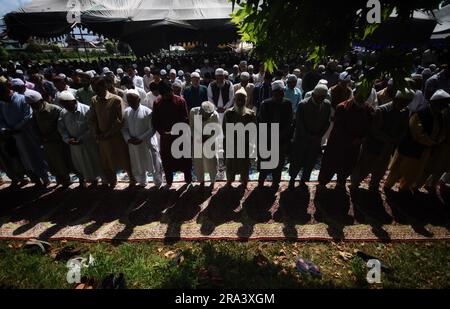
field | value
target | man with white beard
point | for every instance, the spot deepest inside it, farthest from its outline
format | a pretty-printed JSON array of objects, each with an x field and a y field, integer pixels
[
  {"x": 137, "y": 132},
  {"x": 74, "y": 129},
  {"x": 221, "y": 93},
  {"x": 203, "y": 165}
]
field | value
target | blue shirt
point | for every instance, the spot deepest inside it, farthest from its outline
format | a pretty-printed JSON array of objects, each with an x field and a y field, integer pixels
[{"x": 294, "y": 95}]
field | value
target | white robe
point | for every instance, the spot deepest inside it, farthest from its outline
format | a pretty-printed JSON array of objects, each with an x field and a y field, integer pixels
[
  {"x": 138, "y": 124},
  {"x": 204, "y": 165},
  {"x": 85, "y": 156}
]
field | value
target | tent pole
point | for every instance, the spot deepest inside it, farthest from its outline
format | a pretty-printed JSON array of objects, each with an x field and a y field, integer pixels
[{"x": 84, "y": 43}]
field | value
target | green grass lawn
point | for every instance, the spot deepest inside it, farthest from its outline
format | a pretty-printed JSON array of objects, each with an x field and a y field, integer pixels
[{"x": 231, "y": 264}]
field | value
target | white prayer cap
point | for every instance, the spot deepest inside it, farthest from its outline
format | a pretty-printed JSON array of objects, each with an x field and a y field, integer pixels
[
  {"x": 66, "y": 96},
  {"x": 195, "y": 75},
  {"x": 91, "y": 75},
  {"x": 106, "y": 70},
  {"x": 208, "y": 107},
  {"x": 323, "y": 82},
  {"x": 278, "y": 85},
  {"x": 245, "y": 76},
  {"x": 32, "y": 96},
  {"x": 241, "y": 91},
  {"x": 79, "y": 70},
  {"x": 250, "y": 66},
  {"x": 321, "y": 90},
  {"x": 19, "y": 72},
  {"x": 168, "y": 67},
  {"x": 297, "y": 71},
  {"x": 134, "y": 65},
  {"x": 198, "y": 71},
  {"x": 147, "y": 69},
  {"x": 235, "y": 66},
  {"x": 62, "y": 75},
  {"x": 406, "y": 94},
  {"x": 206, "y": 61},
  {"x": 163, "y": 72},
  {"x": 225, "y": 73},
  {"x": 180, "y": 73},
  {"x": 219, "y": 72},
  {"x": 390, "y": 82},
  {"x": 345, "y": 76},
  {"x": 292, "y": 78},
  {"x": 119, "y": 71},
  {"x": 17, "y": 82},
  {"x": 132, "y": 92},
  {"x": 321, "y": 67},
  {"x": 173, "y": 71},
  {"x": 177, "y": 83},
  {"x": 439, "y": 95}
]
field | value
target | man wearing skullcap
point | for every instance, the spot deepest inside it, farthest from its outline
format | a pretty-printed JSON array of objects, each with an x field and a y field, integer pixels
[
  {"x": 387, "y": 94},
  {"x": 61, "y": 85},
  {"x": 438, "y": 81},
  {"x": 16, "y": 122},
  {"x": 221, "y": 93},
  {"x": 75, "y": 132},
  {"x": 128, "y": 84},
  {"x": 138, "y": 133},
  {"x": 238, "y": 114},
  {"x": 177, "y": 86},
  {"x": 168, "y": 110},
  {"x": 195, "y": 94},
  {"x": 258, "y": 78},
  {"x": 18, "y": 86},
  {"x": 147, "y": 78},
  {"x": 341, "y": 91},
  {"x": 276, "y": 110},
  {"x": 411, "y": 163},
  {"x": 330, "y": 74},
  {"x": 204, "y": 164},
  {"x": 351, "y": 126},
  {"x": 85, "y": 93},
  {"x": 439, "y": 164},
  {"x": 247, "y": 86},
  {"x": 292, "y": 93},
  {"x": 56, "y": 153},
  {"x": 172, "y": 76},
  {"x": 206, "y": 69},
  {"x": 312, "y": 121},
  {"x": 321, "y": 82},
  {"x": 389, "y": 126},
  {"x": 45, "y": 87},
  {"x": 234, "y": 77},
  {"x": 106, "y": 122},
  {"x": 135, "y": 79}
]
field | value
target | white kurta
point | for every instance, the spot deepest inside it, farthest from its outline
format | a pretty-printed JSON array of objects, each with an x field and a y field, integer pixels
[
  {"x": 138, "y": 124},
  {"x": 85, "y": 156},
  {"x": 204, "y": 165}
]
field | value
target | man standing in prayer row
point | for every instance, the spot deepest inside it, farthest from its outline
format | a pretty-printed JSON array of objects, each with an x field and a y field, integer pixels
[
  {"x": 106, "y": 121},
  {"x": 426, "y": 131},
  {"x": 292, "y": 93},
  {"x": 195, "y": 94},
  {"x": 168, "y": 110},
  {"x": 221, "y": 93},
  {"x": 312, "y": 121},
  {"x": 351, "y": 125},
  {"x": 389, "y": 126},
  {"x": 247, "y": 86},
  {"x": 235, "y": 115},
  {"x": 204, "y": 164},
  {"x": 263, "y": 91},
  {"x": 74, "y": 129},
  {"x": 277, "y": 110},
  {"x": 15, "y": 121},
  {"x": 148, "y": 79},
  {"x": 440, "y": 162},
  {"x": 85, "y": 93},
  {"x": 136, "y": 80},
  {"x": 56, "y": 153},
  {"x": 61, "y": 85},
  {"x": 138, "y": 132}
]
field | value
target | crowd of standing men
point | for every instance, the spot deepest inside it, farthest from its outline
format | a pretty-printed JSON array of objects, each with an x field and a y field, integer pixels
[{"x": 94, "y": 123}]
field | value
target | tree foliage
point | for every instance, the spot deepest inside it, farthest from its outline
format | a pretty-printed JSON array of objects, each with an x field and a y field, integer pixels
[
  {"x": 110, "y": 47},
  {"x": 280, "y": 29},
  {"x": 4, "y": 56}
]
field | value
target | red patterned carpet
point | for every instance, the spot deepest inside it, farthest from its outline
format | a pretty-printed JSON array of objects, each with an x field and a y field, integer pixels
[{"x": 147, "y": 214}]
